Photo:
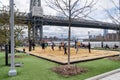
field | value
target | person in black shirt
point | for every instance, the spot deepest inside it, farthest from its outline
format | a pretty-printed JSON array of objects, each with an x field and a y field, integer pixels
[
  {"x": 53, "y": 45},
  {"x": 33, "y": 44},
  {"x": 89, "y": 47},
  {"x": 65, "y": 48},
  {"x": 43, "y": 44}
]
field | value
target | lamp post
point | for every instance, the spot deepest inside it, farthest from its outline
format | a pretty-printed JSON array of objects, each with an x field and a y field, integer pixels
[
  {"x": 119, "y": 29},
  {"x": 12, "y": 71},
  {"x": 89, "y": 36},
  {"x": 61, "y": 37}
]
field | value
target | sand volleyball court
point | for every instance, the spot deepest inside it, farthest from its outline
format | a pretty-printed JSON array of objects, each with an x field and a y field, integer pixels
[{"x": 59, "y": 57}]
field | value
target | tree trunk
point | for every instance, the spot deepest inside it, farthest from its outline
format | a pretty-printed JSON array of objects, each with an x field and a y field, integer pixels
[{"x": 69, "y": 34}]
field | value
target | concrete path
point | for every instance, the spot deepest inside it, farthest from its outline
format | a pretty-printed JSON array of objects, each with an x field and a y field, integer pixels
[{"x": 112, "y": 75}]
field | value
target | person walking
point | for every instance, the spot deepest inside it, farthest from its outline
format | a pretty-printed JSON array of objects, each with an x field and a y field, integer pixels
[{"x": 77, "y": 46}]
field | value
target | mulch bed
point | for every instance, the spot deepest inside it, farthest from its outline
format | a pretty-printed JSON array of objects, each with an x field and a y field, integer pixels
[
  {"x": 69, "y": 70},
  {"x": 116, "y": 58}
]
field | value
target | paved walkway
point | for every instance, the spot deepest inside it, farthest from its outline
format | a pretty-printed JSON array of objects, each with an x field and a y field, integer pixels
[
  {"x": 112, "y": 75},
  {"x": 115, "y": 76}
]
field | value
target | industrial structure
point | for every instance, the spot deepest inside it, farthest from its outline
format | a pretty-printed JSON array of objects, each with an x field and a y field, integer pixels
[{"x": 38, "y": 19}]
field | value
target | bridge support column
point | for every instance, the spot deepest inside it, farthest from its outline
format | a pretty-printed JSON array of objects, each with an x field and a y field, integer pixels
[
  {"x": 36, "y": 33},
  {"x": 34, "y": 29},
  {"x": 37, "y": 30},
  {"x": 41, "y": 32}
]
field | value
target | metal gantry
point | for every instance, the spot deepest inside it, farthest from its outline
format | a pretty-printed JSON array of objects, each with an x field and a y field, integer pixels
[{"x": 62, "y": 21}]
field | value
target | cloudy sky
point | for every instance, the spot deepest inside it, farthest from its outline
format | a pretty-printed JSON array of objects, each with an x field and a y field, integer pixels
[{"x": 98, "y": 14}]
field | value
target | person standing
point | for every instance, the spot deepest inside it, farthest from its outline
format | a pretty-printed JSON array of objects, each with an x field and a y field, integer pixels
[
  {"x": 53, "y": 45},
  {"x": 77, "y": 46},
  {"x": 59, "y": 46},
  {"x": 65, "y": 48},
  {"x": 33, "y": 45},
  {"x": 75, "y": 43},
  {"x": 89, "y": 47},
  {"x": 43, "y": 45}
]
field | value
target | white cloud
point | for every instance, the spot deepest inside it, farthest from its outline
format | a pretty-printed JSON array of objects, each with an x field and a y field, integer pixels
[
  {"x": 105, "y": 4},
  {"x": 4, "y": 2},
  {"x": 23, "y": 6}
]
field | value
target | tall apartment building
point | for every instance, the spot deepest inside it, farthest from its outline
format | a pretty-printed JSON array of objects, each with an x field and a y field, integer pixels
[{"x": 105, "y": 32}]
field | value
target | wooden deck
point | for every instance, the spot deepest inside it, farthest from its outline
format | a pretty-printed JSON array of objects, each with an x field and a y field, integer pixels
[{"x": 59, "y": 57}]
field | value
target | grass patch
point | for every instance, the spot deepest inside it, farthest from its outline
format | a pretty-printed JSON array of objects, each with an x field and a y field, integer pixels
[{"x": 38, "y": 69}]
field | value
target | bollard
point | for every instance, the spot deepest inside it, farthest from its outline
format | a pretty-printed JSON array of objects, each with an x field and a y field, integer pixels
[
  {"x": 6, "y": 55},
  {"x": 9, "y": 49},
  {"x": 30, "y": 43}
]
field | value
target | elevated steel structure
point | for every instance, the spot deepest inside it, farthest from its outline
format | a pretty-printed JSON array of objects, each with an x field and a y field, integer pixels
[
  {"x": 38, "y": 20},
  {"x": 62, "y": 21},
  {"x": 34, "y": 3}
]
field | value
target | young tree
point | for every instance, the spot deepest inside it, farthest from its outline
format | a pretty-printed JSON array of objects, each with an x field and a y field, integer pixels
[
  {"x": 4, "y": 24},
  {"x": 71, "y": 9}
]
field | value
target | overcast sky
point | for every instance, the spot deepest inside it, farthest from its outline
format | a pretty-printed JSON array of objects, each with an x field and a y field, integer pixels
[{"x": 98, "y": 14}]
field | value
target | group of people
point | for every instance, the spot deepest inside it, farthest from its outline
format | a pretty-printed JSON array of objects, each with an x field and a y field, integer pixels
[
  {"x": 78, "y": 45},
  {"x": 114, "y": 47},
  {"x": 62, "y": 45}
]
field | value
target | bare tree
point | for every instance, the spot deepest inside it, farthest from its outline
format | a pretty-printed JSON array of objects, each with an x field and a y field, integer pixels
[
  {"x": 115, "y": 18},
  {"x": 71, "y": 9}
]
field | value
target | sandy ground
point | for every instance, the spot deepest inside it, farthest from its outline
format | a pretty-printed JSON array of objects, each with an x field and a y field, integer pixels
[{"x": 58, "y": 56}]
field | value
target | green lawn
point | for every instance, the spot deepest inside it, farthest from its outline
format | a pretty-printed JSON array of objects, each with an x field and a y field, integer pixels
[{"x": 38, "y": 69}]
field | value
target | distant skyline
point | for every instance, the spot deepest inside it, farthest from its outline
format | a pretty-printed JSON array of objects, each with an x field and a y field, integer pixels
[{"x": 98, "y": 14}]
